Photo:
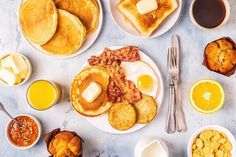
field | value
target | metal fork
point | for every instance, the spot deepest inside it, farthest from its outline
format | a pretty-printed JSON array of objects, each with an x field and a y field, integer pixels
[
  {"x": 170, "y": 123},
  {"x": 179, "y": 114}
]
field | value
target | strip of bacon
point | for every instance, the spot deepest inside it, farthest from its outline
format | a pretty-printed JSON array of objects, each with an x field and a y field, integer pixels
[{"x": 119, "y": 89}]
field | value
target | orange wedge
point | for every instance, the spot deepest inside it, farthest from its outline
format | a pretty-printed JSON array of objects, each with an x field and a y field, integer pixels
[{"x": 207, "y": 96}]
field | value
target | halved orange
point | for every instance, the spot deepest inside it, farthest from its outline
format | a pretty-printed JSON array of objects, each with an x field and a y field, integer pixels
[{"x": 207, "y": 96}]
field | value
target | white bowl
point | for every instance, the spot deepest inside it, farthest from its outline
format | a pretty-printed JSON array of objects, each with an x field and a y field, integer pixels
[
  {"x": 89, "y": 40},
  {"x": 216, "y": 128},
  {"x": 39, "y": 134},
  {"x": 126, "y": 27},
  {"x": 227, "y": 15},
  {"x": 144, "y": 143},
  {"x": 27, "y": 62}
]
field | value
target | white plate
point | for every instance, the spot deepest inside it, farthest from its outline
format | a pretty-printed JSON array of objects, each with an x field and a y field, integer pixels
[
  {"x": 120, "y": 21},
  {"x": 101, "y": 122},
  {"x": 90, "y": 39}
]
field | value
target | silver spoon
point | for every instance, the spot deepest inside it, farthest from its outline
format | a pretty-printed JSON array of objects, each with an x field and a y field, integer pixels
[{"x": 5, "y": 111}]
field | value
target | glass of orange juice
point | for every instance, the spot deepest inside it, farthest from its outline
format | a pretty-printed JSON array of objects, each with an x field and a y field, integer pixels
[{"x": 43, "y": 94}]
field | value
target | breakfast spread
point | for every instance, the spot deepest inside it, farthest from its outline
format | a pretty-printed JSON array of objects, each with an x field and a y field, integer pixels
[
  {"x": 43, "y": 94},
  {"x": 24, "y": 135},
  {"x": 146, "y": 15},
  {"x": 120, "y": 83},
  {"x": 64, "y": 144},
  {"x": 14, "y": 69},
  {"x": 220, "y": 56},
  {"x": 120, "y": 89},
  {"x": 207, "y": 96},
  {"x": 62, "y": 28},
  {"x": 211, "y": 143}
]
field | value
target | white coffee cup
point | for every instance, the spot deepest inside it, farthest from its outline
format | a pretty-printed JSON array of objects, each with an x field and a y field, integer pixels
[{"x": 226, "y": 18}]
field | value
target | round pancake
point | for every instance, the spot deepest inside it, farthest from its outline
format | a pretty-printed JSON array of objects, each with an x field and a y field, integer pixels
[
  {"x": 69, "y": 36},
  {"x": 86, "y": 10},
  {"x": 38, "y": 20},
  {"x": 80, "y": 83},
  {"x": 122, "y": 116},
  {"x": 146, "y": 109}
]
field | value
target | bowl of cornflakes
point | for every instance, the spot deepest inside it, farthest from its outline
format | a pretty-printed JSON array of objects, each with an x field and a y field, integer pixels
[{"x": 212, "y": 141}]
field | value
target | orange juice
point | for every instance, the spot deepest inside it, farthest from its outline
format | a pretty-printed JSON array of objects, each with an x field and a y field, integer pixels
[{"x": 42, "y": 94}]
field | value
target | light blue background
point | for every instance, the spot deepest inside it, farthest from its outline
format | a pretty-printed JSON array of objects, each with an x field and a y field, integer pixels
[{"x": 97, "y": 143}]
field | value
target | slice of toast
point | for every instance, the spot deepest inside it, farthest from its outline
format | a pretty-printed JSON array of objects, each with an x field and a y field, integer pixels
[{"x": 147, "y": 23}]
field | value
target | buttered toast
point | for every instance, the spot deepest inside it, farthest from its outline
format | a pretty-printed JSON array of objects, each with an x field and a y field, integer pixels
[{"x": 147, "y": 23}]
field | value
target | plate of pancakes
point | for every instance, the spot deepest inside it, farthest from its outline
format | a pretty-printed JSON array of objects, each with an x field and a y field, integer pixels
[
  {"x": 119, "y": 90},
  {"x": 60, "y": 28},
  {"x": 152, "y": 24}
]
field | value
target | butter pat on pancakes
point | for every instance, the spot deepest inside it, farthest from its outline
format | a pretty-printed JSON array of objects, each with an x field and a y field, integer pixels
[
  {"x": 92, "y": 92},
  {"x": 146, "y": 6},
  {"x": 142, "y": 75},
  {"x": 13, "y": 69}
]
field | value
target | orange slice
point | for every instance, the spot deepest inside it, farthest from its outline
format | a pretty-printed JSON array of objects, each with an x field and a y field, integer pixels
[{"x": 207, "y": 96}]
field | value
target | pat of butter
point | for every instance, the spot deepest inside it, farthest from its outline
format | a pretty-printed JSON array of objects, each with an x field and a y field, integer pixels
[
  {"x": 16, "y": 62},
  {"x": 146, "y": 6},
  {"x": 9, "y": 77},
  {"x": 92, "y": 92}
]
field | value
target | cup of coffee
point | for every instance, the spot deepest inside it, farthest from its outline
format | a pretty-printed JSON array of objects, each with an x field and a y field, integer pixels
[{"x": 209, "y": 14}]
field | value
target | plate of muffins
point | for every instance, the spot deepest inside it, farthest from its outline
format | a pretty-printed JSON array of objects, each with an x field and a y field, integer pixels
[{"x": 60, "y": 28}]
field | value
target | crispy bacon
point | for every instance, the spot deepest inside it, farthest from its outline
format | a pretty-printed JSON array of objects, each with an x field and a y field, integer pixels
[
  {"x": 119, "y": 89},
  {"x": 126, "y": 54}
]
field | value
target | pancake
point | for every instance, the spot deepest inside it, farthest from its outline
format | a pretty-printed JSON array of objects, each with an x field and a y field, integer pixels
[
  {"x": 147, "y": 23},
  {"x": 81, "y": 81},
  {"x": 69, "y": 36},
  {"x": 38, "y": 20},
  {"x": 86, "y": 10}
]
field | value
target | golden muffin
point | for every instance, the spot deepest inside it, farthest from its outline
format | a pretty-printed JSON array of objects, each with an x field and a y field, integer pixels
[
  {"x": 64, "y": 144},
  {"x": 146, "y": 109},
  {"x": 220, "y": 56},
  {"x": 147, "y": 23},
  {"x": 81, "y": 82},
  {"x": 38, "y": 20},
  {"x": 122, "y": 116},
  {"x": 69, "y": 36},
  {"x": 86, "y": 10}
]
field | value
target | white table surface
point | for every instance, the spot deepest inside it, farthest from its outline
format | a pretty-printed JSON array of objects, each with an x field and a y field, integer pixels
[{"x": 101, "y": 144}]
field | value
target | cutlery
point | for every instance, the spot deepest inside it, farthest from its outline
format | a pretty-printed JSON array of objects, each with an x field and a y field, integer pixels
[
  {"x": 179, "y": 113},
  {"x": 5, "y": 111},
  {"x": 170, "y": 122}
]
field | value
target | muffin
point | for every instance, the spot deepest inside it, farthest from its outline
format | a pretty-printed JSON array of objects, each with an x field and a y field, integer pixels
[
  {"x": 63, "y": 143},
  {"x": 220, "y": 56}
]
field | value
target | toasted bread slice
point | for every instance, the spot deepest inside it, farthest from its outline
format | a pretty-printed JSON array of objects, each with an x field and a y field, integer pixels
[
  {"x": 122, "y": 116},
  {"x": 38, "y": 20},
  {"x": 69, "y": 36},
  {"x": 147, "y": 23},
  {"x": 146, "y": 109}
]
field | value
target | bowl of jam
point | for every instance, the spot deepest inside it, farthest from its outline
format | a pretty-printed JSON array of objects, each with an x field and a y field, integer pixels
[
  {"x": 26, "y": 135},
  {"x": 209, "y": 14}
]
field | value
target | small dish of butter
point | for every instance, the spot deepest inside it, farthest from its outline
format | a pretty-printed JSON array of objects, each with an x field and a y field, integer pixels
[
  {"x": 151, "y": 147},
  {"x": 15, "y": 69}
]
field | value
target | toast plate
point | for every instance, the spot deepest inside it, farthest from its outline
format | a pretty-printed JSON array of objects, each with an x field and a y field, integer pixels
[
  {"x": 101, "y": 122},
  {"x": 122, "y": 23},
  {"x": 89, "y": 40}
]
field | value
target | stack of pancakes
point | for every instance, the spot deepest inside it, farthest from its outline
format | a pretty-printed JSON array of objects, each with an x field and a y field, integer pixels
[{"x": 59, "y": 27}]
